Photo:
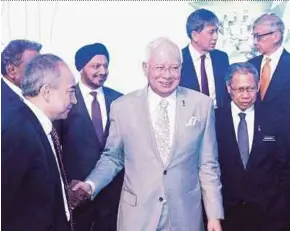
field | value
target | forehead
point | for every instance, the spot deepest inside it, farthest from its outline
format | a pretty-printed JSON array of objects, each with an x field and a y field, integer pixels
[
  {"x": 262, "y": 27},
  {"x": 164, "y": 55},
  {"x": 240, "y": 79},
  {"x": 209, "y": 27},
  {"x": 100, "y": 59}
]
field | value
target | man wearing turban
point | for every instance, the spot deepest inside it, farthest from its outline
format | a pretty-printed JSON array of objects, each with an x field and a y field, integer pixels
[{"x": 84, "y": 133}]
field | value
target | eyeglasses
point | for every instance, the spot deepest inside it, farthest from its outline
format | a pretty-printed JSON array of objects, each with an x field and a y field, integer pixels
[
  {"x": 162, "y": 69},
  {"x": 260, "y": 36},
  {"x": 243, "y": 89}
]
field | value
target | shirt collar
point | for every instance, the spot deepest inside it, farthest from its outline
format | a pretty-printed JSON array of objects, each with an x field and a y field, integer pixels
[
  {"x": 42, "y": 118},
  {"x": 155, "y": 99},
  {"x": 13, "y": 87},
  {"x": 236, "y": 110},
  {"x": 276, "y": 55},
  {"x": 86, "y": 90},
  {"x": 195, "y": 55}
]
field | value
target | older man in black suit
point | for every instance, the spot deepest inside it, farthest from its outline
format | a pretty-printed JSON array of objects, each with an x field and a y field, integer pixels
[
  {"x": 273, "y": 64},
  {"x": 84, "y": 135},
  {"x": 204, "y": 67},
  {"x": 253, "y": 157},
  {"x": 14, "y": 58},
  {"x": 34, "y": 187}
]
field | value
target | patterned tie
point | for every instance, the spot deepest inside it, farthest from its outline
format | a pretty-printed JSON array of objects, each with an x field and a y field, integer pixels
[
  {"x": 204, "y": 80},
  {"x": 265, "y": 78},
  {"x": 97, "y": 117},
  {"x": 243, "y": 139},
  {"x": 162, "y": 131},
  {"x": 58, "y": 150}
]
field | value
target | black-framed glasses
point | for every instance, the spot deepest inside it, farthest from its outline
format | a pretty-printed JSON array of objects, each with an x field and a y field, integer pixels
[
  {"x": 260, "y": 36},
  {"x": 249, "y": 89}
]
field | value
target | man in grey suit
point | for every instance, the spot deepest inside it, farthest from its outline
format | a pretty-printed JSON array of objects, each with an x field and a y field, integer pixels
[{"x": 164, "y": 136}]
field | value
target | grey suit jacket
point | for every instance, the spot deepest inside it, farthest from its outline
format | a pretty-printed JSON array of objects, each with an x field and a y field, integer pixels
[{"x": 193, "y": 170}]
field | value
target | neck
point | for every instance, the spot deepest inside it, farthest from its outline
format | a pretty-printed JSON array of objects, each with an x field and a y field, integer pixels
[
  {"x": 196, "y": 47},
  {"x": 273, "y": 50},
  {"x": 40, "y": 105}
]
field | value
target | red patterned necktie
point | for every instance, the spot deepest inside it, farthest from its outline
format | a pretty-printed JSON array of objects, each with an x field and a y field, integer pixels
[{"x": 58, "y": 150}]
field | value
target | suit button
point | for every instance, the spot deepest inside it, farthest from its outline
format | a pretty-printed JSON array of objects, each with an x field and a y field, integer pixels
[
  {"x": 244, "y": 203},
  {"x": 165, "y": 172},
  {"x": 160, "y": 199}
]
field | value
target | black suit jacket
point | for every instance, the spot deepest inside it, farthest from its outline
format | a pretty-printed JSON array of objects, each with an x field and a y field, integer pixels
[
  {"x": 31, "y": 189},
  {"x": 220, "y": 62},
  {"x": 265, "y": 181},
  {"x": 277, "y": 97},
  {"x": 9, "y": 99}
]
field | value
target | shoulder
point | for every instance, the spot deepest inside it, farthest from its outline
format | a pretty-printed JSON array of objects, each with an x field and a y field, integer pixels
[
  {"x": 194, "y": 97},
  {"x": 256, "y": 59},
  {"x": 112, "y": 92},
  {"x": 220, "y": 53}
]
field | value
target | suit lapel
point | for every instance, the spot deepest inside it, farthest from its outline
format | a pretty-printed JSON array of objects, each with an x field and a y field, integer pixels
[{"x": 108, "y": 100}]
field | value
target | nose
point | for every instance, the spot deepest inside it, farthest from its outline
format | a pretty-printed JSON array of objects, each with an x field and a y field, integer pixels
[
  {"x": 245, "y": 94},
  {"x": 215, "y": 35},
  {"x": 166, "y": 74},
  {"x": 103, "y": 70}
]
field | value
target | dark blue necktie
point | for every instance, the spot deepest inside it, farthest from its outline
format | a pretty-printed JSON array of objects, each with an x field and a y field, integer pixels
[
  {"x": 204, "y": 80},
  {"x": 97, "y": 117},
  {"x": 243, "y": 139}
]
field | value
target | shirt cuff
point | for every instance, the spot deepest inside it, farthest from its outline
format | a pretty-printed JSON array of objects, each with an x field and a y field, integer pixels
[{"x": 93, "y": 187}]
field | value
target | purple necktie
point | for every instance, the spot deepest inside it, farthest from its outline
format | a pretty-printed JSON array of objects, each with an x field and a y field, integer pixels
[
  {"x": 204, "y": 82},
  {"x": 97, "y": 117}
]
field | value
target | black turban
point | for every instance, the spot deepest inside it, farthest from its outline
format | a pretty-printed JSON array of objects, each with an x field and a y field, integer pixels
[{"x": 86, "y": 53}]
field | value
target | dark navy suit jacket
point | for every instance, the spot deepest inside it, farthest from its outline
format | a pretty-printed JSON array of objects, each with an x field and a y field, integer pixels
[
  {"x": 220, "y": 62},
  {"x": 277, "y": 97},
  {"x": 265, "y": 181},
  {"x": 31, "y": 192}
]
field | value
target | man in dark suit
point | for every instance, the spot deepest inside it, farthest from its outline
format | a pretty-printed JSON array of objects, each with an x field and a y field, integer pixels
[
  {"x": 84, "y": 134},
  {"x": 14, "y": 58},
  {"x": 254, "y": 163},
  {"x": 34, "y": 195},
  {"x": 273, "y": 64},
  {"x": 204, "y": 67}
]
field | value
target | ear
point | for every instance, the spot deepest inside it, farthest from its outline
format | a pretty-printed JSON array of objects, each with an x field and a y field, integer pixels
[
  {"x": 11, "y": 71},
  {"x": 45, "y": 92},
  {"x": 145, "y": 68},
  {"x": 194, "y": 36},
  {"x": 277, "y": 35},
  {"x": 229, "y": 88}
]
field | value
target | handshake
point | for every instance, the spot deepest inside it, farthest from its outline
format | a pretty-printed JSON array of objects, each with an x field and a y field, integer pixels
[{"x": 78, "y": 193}]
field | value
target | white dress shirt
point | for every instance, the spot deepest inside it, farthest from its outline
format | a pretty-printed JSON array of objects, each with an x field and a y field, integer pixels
[
  {"x": 250, "y": 119},
  {"x": 13, "y": 87},
  {"x": 47, "y": 127},
  {"x": 195, "y": 55},
  {"x": 88, "y": 98},
  {"x": 275, "y": 57},
  {"x": 153, "y": 103}
]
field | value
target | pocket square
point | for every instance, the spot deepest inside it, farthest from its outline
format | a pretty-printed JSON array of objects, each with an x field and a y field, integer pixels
[
  {"x": 269, "y": 138},
  {"x": 192, "y": 121}
]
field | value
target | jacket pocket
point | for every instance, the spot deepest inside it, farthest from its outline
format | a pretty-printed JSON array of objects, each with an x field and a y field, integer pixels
[{"x": 129, "y": 198}]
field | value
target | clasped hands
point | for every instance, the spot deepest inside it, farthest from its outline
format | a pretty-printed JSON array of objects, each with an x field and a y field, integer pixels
[{"x": 78, "y": 193}]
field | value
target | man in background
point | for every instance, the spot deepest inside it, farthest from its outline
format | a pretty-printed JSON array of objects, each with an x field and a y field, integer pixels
[
  {"x": 273, "y": 65},
  {"x": 84, "y": 135},
  {"x": 253, "y": 157},
  {"x": 204, "y": 67}
]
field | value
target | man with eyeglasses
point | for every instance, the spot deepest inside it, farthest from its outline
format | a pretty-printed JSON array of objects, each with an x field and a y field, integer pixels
[
  {"x": 84, "y": 133},
  {"x": 273, "y": 64},
  {"x": 254, "y": 162},
  {"x": 204, "y": 67},
  {"x": 164, "y": 137}
]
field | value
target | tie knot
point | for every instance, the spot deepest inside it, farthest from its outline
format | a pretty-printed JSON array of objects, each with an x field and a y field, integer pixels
[
  {"x": 202, "y": 57},
  {"x": 94, "y": 93},
  {"x": 242, "y": 115},
  {"x": 164, "y": 103},
  {"x": 267, "y": 60}
]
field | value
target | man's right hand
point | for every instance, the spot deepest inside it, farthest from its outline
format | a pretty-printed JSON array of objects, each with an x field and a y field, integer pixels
[{"x": 79, "y": 192}]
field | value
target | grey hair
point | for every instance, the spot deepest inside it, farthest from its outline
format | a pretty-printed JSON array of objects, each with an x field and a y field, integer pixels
[
  {"x": 273, "y": 21},
  {"x": 242, "y": 68},
  {"x": 198, "y": 19},
  {"x": 161, "y": 42},
  {"x": 42, "y": 70},
  {"x": 13, "y": 52}
]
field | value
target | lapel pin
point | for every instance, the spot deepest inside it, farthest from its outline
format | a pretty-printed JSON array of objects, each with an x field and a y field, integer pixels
[
  {"x": 183, "y": 103},
  {"x": 259, "y": 128}
]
